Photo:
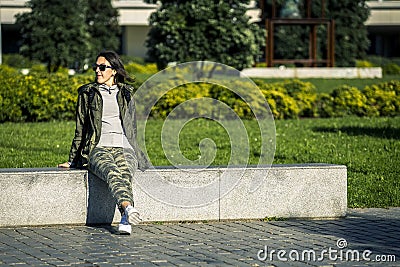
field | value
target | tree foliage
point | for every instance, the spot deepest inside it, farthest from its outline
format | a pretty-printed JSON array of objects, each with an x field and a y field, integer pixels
[
  {"x": 213, "y": 30},
  {"x": 66, "y": 33},
  {"x": 103, "y": 27},
  {"x": 351, "y": 36}
]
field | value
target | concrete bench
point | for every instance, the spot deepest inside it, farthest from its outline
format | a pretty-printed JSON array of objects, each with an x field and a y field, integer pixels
[{"x": 51, "y": 196}]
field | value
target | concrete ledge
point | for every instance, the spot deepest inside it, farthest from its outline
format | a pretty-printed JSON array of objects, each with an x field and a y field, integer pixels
[
  {"x": 57, "y": 196},
  {"x": 42, "y": 196},
  {"x": 334, "y": 73}
]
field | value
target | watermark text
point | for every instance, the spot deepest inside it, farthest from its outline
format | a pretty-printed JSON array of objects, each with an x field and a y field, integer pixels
[{"x": 339, "y": 253}]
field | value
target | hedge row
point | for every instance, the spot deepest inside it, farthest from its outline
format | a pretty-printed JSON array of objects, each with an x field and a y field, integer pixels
[
  {"x": 38, "y": 96},
  {"x": 44, "y": 97},
  {"x": 292, "y": 99},
  {"x": 389, "y": 66},
  {"x": 289, "y": 99}
]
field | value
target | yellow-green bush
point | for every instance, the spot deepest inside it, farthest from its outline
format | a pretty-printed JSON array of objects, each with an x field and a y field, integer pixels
[
  {"x": 133, "y": 67},
  {"x": 177, "y": 96},
  {"x": 42, "y": 97},
  {"x": 226, "y": 103},
  {"x": 39, "y": 98},
  {"x": 383, "y": 99},
  {"x": 291, "y": 98},
  {"x": 304, "y": 93},
  {"x": 325, "y": 106},
  {"x": 348, "y": 100},
  {"x": 6, "y": 71},
  {"x": 364, "y": 64},
  {"x": 376, "y": 100},
  {"x": 282, "y": 105},
  {"x": 392, "y": 69},
  {"x": 239, "y": 97}
]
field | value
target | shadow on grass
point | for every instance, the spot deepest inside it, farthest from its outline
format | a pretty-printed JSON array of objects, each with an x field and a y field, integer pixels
[{"x": 380, "y": 132}]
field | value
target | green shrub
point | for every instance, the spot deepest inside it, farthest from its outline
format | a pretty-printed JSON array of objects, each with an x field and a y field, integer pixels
[
  {"x": 376, "y": 100},
  {"x": 138, "y": 68},
  {"x": 238, "y": 102},
  {"x": 395, "y": 60},
  {"x": 39, "y": 70},
  {"x": 17, "y": 61},
  {"x": 364, "y": 64},
  {"x": 393, "y": 85},
  {"x": 240, "y": 98},
  {"x": 389, "y": 66},
  {"x": 261, "y": 65},
  {"x": 383, "y": 99},
  {"x": 325, "y": 106},
  {"x": 348, "y": 100},
  {"x": 378, "y": 61},
  {"x": 391, "y": 69},
  {"x": 39, "y": 98},
  {"x": 282, "y": 106},
  {"x": 304, "y": 93},
  {"x": 7, "y": 71},
  {"x": 291, "y": 98},
  {"x": 178, "y": 95}
]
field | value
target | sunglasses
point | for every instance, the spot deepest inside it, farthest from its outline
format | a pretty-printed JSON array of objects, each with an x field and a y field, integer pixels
[{"x": 101, "y": 67}]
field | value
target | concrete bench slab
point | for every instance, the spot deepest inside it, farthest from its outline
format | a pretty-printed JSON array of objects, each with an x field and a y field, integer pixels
[
  {"x": 42, "y": 196},
  {"x": 57, "y": 196}
]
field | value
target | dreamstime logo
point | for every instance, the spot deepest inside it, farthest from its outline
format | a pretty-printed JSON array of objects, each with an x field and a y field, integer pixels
[
  {"x": 341, "y": 243},
  {"x": 205, "y": 189},
  {"x": 341, "y": 253}
]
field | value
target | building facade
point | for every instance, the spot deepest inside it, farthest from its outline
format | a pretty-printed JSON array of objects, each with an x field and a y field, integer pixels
[{"x": 383, "y": 26}]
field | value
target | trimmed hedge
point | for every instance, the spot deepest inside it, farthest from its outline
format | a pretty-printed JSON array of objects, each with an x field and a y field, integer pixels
[
  {"x": 38, "y": 97},
  {"x": 389, "y": 66},
  {"x": 43, "y": 97}
]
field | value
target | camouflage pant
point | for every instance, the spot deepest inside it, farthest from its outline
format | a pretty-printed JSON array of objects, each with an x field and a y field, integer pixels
[{"x": 116, "y": 166}]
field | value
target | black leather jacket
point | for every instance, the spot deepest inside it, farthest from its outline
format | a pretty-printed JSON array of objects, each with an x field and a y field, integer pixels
[{"x": 89, "y": 110}]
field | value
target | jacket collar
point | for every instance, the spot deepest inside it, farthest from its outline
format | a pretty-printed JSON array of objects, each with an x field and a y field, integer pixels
[{"x": 121, "y": 86}]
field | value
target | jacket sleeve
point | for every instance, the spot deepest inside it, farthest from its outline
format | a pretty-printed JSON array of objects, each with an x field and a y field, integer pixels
[{"x": 78, "y": 140}]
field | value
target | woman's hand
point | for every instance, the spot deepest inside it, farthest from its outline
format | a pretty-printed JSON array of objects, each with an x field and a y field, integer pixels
[{"x": 64, "y": 165}]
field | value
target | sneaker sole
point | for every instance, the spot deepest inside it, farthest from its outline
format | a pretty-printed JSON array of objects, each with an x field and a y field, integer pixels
[{"x": 124, "y": 229}]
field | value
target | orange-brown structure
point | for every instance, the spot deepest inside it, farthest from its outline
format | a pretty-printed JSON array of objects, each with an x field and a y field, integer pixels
[{"x": 272, "y": 20}]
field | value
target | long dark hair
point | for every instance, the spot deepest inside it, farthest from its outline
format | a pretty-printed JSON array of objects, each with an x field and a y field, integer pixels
[{"x": 116, "y": 63}]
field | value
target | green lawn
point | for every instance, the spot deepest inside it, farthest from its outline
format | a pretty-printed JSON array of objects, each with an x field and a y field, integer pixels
[{"x": 369, "y": 147}]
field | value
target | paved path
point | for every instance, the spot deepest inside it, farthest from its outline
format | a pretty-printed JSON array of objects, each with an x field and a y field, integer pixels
[{"x": 371, "y": 233}]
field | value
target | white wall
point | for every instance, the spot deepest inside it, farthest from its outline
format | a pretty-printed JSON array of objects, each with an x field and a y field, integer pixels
[{"x": 133, "y": 41}]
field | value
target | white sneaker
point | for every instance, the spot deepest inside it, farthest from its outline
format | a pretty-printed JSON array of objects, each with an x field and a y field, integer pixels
[
  {"x": 133, "y": 215},
  {"x": 124, "y": 227}
]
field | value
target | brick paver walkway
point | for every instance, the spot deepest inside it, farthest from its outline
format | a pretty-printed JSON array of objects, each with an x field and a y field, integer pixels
[{"x": 371, "y": 235}]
